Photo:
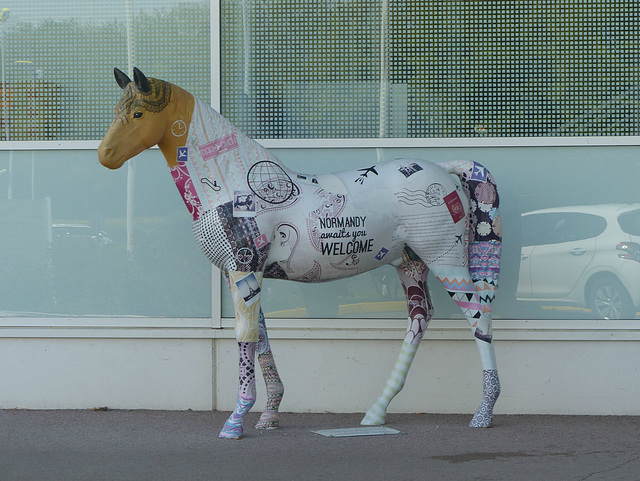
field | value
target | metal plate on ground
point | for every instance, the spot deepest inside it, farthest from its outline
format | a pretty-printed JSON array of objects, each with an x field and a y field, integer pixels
[{"x": 350, "y": 432}]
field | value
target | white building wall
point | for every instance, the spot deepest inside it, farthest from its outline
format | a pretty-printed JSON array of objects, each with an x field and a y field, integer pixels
[
  {"x": 118, "y": 373},
  {"x": 550, "y": 370}
]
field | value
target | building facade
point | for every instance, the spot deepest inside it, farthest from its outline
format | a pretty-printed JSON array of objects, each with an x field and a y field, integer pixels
[{"x": 105, "y": 298}]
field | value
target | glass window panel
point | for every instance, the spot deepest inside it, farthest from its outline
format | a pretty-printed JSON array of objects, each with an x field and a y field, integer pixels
[
  {"x": 589, "y": 193},
  {"x": 630, "y": 222},
  {"x": 58, "y": 58},
  {"x": 376, "y": 68},
  {"x": 65, "y": 248}
]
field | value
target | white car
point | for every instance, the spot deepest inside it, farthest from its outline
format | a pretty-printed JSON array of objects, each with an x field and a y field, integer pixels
[{"x": 585, "y": 256}]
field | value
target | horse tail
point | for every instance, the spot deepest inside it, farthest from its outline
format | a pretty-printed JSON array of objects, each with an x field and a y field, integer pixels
[{"x": 485, "y": 233}]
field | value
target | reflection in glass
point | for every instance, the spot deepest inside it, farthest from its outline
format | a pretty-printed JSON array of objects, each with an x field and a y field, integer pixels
[
  {"x": 63, "y": 240},
  {"x": 570, "y": 245},
  {"x": 584, "y": 256}
]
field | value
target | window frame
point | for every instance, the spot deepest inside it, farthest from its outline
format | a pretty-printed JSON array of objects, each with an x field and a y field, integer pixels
[{"x": 343, "y": 328}]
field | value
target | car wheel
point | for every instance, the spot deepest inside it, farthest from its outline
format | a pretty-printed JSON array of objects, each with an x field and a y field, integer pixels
[{"x": 608, "y": 299}]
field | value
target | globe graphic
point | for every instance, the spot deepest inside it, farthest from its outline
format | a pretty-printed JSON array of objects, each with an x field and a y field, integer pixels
[{"x": 270, "y": 182}]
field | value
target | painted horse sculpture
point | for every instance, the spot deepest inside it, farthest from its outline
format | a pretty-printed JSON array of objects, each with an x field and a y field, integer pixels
[{"x": 254, "y": 218}]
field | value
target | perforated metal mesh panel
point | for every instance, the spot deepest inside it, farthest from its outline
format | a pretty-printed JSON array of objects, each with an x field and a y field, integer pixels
[
  {"x": 58, "y": 58},
  {"x": 372, "y": 68}
]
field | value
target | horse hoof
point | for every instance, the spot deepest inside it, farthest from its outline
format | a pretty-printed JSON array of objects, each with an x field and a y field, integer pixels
[
  {"x": 231, "y": 432},
  {"x": 268, "y": 421},
  {"x": 372, "y": 419},
  {"x": 267, "y": 426},
  {"x": 481, "y": 422},
  {"x": 480, "y": 426}
]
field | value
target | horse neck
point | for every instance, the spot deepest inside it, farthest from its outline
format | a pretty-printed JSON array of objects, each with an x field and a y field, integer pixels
[
  {"x": 217, "y": 128},
  {"x": 179, "y": 109}
]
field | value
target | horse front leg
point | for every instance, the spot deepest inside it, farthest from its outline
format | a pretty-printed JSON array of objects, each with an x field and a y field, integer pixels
[
  {"x": 246, "y": 391},
  {"x": 245, "y": 291},
  {"x": 275, "y": 389},
  {"x": 413, "y": 275}
]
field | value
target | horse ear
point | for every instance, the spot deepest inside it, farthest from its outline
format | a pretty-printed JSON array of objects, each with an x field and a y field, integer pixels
[
  {"x": 141, "y": 81},
  {"x": 121, "y": 77}
]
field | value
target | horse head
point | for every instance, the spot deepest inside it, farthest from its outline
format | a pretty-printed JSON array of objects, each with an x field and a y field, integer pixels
[{"x": 142, "y": 117}]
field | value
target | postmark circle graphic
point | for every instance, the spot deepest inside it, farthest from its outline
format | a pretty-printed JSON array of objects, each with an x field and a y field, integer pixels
[
  {"x": 435, "y": 194},
  {"x": 179, "y": 128},
  {"x": 270, "y": 182},
  {"x": 244, "y": 255}
]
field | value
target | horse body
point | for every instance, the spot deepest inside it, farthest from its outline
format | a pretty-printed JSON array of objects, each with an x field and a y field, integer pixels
[
  {"x": 255, "y": 218},
  {"x": 343, "y": 236}
]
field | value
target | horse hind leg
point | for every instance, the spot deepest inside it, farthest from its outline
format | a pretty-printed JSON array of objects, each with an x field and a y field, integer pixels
[
  {"x": 474, "y": 299},
  {"x": 413, "y": 275},
  {"x": 269, "y": 418}
]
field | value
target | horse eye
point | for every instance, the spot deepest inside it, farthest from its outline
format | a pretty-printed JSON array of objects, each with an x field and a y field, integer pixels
[{"x": 137, "y": 115}]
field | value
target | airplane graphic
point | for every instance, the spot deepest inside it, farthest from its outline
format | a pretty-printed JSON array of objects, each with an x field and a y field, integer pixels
[{"x": 366, "y": 171}]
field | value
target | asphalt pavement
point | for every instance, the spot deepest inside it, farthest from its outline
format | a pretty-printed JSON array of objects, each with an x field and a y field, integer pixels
[{"x": 184, "y": 445}]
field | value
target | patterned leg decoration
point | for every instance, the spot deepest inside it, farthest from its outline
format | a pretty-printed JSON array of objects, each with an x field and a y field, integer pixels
[
  {"x": 413, "y": 275},
  {"x": 485, "y": 251},
  {"x": 377, "y": 414},
  {"x": 275, "y": 389},
  {"x": 477, "y": 309},
  {"x": 246, "y": 393},
  {"x": 491, "y": 391},
  {"x": 233, "y": 427}
]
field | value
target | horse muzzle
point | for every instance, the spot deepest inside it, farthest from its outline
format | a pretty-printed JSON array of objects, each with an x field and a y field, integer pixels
[{"x": 107, "y": 157}]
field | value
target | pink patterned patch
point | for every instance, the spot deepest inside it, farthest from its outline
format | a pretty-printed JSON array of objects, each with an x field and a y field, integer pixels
[
  {"x": 261, "y": 241},
  {"x": 484, "y": 260},
  {"x": 486, "y": 193},
  {"x": 185, "y": 186},
  {"x": 218, "y": 146}
]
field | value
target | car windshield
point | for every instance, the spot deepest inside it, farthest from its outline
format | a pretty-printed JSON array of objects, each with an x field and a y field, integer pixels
[{"x": 630, "y": 222}]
